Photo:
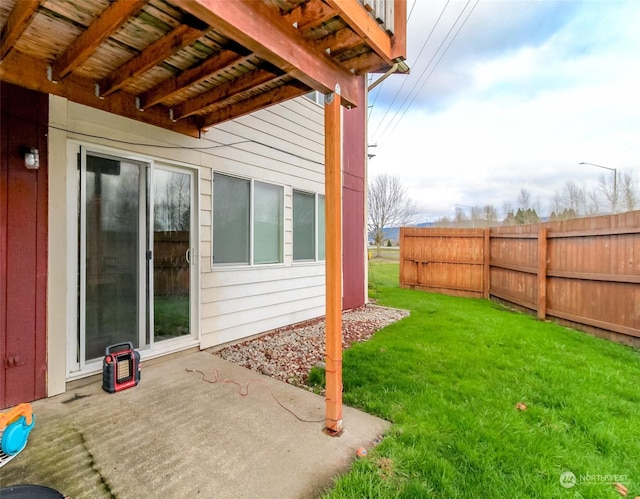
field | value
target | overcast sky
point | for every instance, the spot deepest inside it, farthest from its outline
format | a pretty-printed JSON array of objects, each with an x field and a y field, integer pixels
[{"x": 526, "y": 90}]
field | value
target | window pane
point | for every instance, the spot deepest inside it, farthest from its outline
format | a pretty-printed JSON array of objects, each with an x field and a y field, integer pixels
[
  {"x": 304, "y": 226},
  {"x": 112, "y": 253},
  {"x": 267, "y": 223},
  {"x": 230, "y": 220},
  {"x": 321, "y": 227}
]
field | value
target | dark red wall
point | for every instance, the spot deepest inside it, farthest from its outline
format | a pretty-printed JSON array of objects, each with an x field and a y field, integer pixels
[
  {"x": 23, "y": 247},
  {"x": 353, "y": 189}
]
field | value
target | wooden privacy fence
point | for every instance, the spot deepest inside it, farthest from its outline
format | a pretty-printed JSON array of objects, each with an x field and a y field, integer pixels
[
  {"x": 170, "y": 268},
  {"x": 584, "y": 273}
]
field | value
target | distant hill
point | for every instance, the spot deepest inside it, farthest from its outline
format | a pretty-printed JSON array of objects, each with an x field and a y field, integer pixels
[{"x": 393, "y": 233}]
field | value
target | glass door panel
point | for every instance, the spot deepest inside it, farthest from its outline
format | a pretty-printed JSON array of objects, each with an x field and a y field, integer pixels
[
  {"x": 172, "y": 193},
  {"x": 114, "y": 233}
]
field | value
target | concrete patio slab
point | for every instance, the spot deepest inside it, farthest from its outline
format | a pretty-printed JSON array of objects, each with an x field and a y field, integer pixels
[{"x": 175, "y": 435}]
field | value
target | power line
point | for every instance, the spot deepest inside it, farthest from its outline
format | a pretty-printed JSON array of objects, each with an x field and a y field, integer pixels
[
  {"x": 404, "y": 81},
  {"x": 413, "y": 94},
  {"x": 417, "y": 81},
  {"x": 436, "y": 65},
  {"x": 411, "y": 11}
]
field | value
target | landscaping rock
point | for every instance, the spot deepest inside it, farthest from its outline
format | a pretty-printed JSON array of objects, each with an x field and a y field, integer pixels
[{"x": 290, "y": 352}]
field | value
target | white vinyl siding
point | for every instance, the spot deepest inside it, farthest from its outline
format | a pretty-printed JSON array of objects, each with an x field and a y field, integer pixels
[{"x": 280, "y": 146}]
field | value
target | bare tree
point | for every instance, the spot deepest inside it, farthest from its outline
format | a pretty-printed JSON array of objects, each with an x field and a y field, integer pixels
[
  {"x": 574, "y": 198},
  {"x": 443, "y": 222},
  {"x": 524, "y": 199},
  {"x": 389, "y": 206},
  {"x": 557, "y": 203},
  {"x": 490, "y": 214},
  {"x": 460, "y": 217},
  {"x": 507, "y": 211},
  {"x": 609, "y": 188},
  {"x": 629, "y": 195}
]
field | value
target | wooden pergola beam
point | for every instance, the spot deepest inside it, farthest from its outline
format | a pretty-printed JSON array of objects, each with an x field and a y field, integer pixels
[
  {"x": 210, "y": 68},
  {"x": 253, "y": 104},
  {"x": 114, "y": 16},
  {"x": 18, "y": 21},
  {"x": 333, "y": 256},
  {"x": 154, "y": 54},
  {"x": 399, "y": 39},
  {"x": 276, "y": 41},
  {"x": 221, "y": 92}
]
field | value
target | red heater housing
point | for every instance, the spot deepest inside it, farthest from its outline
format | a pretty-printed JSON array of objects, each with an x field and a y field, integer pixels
[{"x": 120, "y": 367}]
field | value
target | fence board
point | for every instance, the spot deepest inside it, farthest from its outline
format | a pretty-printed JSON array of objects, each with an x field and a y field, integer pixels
[{"x": 584, "y": 273}]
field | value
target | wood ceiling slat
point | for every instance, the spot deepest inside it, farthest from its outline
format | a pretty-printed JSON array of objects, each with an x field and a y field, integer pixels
[
  {"x": 310, "y": 14},
  {"x": 273, "y": 39},
  {"x": 114, "y": 16},
  {"x": 251, "y": 105},
  {"x": 208, "y": 69},
  {"x": 359, "y": 20},
  {"x": 221, "y": 92},
  {"x": 339, "y": 41},
  {"x": 213, "y": 58},
  {"x": 368, "y": 62},
  {"x": 154, "y": 54},
  {"x": 17, "y": 23},
  {"x": 28, "y": 72}
]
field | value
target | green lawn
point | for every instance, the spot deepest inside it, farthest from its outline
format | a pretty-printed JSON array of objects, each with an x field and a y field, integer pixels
[{"x": 449, "y": 377}]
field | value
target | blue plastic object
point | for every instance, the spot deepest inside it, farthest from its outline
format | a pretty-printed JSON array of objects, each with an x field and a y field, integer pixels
[{"x": 15, "y": 436}]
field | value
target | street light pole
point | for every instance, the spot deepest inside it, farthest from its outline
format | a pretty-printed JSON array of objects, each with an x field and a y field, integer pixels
[{"x": 614, "y": 199}]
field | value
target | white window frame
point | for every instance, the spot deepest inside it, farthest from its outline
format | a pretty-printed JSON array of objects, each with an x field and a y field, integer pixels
[
  {"x": 251, "y": 263},
  {"x": 316, "y": 197}
]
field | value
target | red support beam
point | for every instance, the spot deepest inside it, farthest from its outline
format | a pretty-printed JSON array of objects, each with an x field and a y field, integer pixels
[{"x": 271, "y": 37}]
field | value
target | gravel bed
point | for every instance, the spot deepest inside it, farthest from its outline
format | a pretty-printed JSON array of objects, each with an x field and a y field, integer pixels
[{"x": 290, "y": 352}]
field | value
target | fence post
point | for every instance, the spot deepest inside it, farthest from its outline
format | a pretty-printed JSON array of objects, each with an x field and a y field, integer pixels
[
  {"x": 542, "y": 273},
  {"x": 401, "y": 269},
  {"x": 486, "y": 263}
]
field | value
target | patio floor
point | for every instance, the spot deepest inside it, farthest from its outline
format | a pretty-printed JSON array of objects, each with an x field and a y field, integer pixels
[{"x": 176, "y": 436}]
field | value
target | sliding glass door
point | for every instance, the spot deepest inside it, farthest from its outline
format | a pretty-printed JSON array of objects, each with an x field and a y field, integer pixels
[
  {"x": 172, "y": 253},
  {"x": 135, "y": 251}
]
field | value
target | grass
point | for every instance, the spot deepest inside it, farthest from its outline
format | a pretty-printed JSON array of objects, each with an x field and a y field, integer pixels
[
  {"x": 449, "y": 377},
  {"x": 171, "y": 316}
]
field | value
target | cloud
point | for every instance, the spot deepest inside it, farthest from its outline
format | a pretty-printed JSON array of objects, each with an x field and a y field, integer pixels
[{"x": 530, "y": 90}]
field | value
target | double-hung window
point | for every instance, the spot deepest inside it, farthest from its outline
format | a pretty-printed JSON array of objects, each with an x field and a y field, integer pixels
[
  {"x": 308, "y": 226},
  {"x": 248, "y": 221}
]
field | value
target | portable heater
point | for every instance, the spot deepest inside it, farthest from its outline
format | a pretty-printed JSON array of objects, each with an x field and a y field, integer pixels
[{"x": 120, "y": 367}]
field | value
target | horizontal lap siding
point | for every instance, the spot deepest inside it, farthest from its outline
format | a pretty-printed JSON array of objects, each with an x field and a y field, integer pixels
[
  {"x": 288, "y": 149},
  {"x": 284, "y": 145},
  {"x": 241, "y": 303}
]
